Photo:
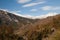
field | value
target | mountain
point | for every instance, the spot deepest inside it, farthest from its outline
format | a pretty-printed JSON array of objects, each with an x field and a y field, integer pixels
[
  {"x": 12, "y": 19},
  {"x": 13, "y": 27}
]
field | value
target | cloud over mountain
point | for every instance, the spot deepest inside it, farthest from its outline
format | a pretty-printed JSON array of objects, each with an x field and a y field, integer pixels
[
  {"x": 50, "y": 8},
  {"x": 32, "y": 17}
]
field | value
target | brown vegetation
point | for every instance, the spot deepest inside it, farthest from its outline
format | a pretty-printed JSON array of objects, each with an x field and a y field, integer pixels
[{"x": 13, "y": 27}]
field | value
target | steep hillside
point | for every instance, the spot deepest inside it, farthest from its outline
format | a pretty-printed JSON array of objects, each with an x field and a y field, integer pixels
[
  {"x": 13, "y": 27},
  {"x": 44, "y": 29},
  {"x": 14, "y": 20},
  {"x": 10, "y": 23}
]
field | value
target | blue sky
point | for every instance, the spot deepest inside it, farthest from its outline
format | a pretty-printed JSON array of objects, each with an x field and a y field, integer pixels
[{"x": 31, "y": 7}]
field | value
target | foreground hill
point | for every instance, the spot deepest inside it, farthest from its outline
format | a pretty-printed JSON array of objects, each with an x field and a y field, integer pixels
[{"x": 13, "y": 27}]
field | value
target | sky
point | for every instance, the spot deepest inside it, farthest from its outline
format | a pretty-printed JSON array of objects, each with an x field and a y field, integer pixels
[{"x": 31, "y": 7}]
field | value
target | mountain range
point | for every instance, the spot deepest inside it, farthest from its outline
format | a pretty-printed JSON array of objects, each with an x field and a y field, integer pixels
[{"x": 14, "y": 27}]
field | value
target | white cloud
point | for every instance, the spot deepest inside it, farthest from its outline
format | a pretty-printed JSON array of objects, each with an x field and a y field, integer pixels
[
  {"x": 26, "y": 16},
  {"x": 44, "y": 16},
  {"x": 13, "y": 12},
  {"x": 38, "y": 17},
  {"x": 17, "y": 11},
  {"x": 33, "y": 10},
  {"x": 50, "y": 8},
  {"x": 24, "y": 1},
  {"x": 33, "y": 17},
  {"x": 4, "y": 9},
  {"x": 33, "y": 4}
]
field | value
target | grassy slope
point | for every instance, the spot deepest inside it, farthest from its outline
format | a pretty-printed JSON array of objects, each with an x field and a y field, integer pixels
[{"x": 44, "y": 29}]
